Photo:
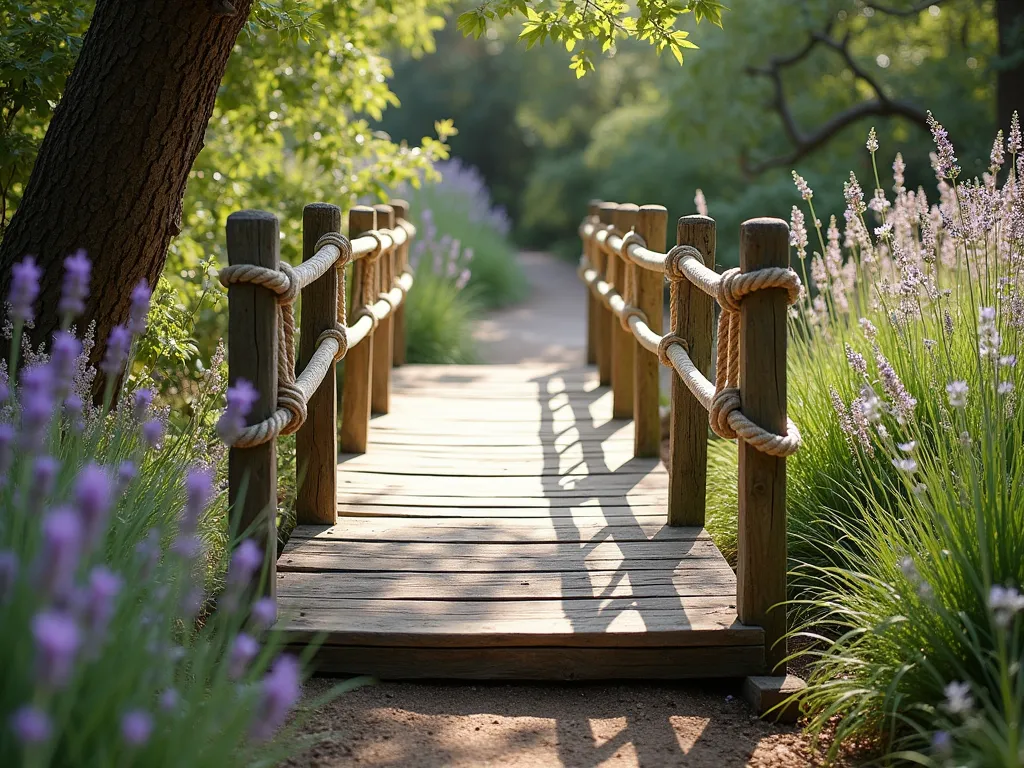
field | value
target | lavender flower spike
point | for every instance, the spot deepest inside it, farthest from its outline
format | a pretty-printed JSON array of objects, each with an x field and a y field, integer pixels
[
  {"x": 280, "y": 692},
  {"x": 198, "y": 490},
  {"x": 153, "y": 433},
  {"x": 136, "y": 727},
  {"x": 75, "y": 288},
  {"x": 24, "y": 289},
  {"x": 118, "y": 344},
  {"x": 243, "y": 651},
  {"x": 93, "y": 498},
  {"x": 31, "y": 725},
  {"x": 142, "y": 399},
  {"x": 241, "y": 399},
  {"x": 139, "y": 309},
  {"x": 57, "y": 640},
  {"x": 64, "y": 352},
  {"x": 6, "y": 451},
  {"x": 946, "y": 164},
  {"x": 61, "y": 550},
  {"x": 104, "y": 586},
  {"x": 264, "y": 613},
  {"x": 245, "y": 563}
]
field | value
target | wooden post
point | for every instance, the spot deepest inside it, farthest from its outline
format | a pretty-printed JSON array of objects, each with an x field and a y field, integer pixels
[
  {"x": 401, "y": 265},
  {"x": 623, "y": 342},
  {"x": 316, "y": 443},
  {"x": 253, "y": 238},
  {"x": 592, "y": 302},
  {"x": 688, "y": 451},
  {"x": 605, "y": 212},
  {"x": 383, "y": 341},
  {"x": 355, "y": 386},
  {"x": 648, "y": 290},
  {"x": 761, "y": 571}
]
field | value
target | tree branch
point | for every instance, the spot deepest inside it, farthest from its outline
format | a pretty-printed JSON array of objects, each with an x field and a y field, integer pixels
[
  {"x": 913, "y": 10},
  {"x": 806, "y": 142}
]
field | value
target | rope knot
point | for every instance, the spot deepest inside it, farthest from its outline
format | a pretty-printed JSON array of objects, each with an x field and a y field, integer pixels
[
  {"x": 340, "y": 334},
  {"x": 731, "y": 290},
  {"x": 292, "y": 287},
  {"x": 628, "y": 239},
  {"x": 666, "y": 341},
  {"x": 375, "y": 253},
  {"x": 631, "y": 310},
  {"x": 725, "y": 402},
  {"x": 674, "y": 260},
  {"x": 340, "y": 242},
  {"x": 290, "y": 397},
  {"x": 374, "y": 322}
]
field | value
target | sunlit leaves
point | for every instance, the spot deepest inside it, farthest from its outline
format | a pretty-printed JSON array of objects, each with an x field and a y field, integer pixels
[{"x": 601, "y": 22}]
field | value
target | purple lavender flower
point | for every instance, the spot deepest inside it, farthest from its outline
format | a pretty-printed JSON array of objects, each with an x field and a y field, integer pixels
[
  {"x": 264, "y": 613},
  {"x": 93, "y": 498},
  {"x": 64, "y": 354},
  {"x": 139, "y": 309},
  {"x": 104, "y": 586},
  {"x": 6, "y": 451},
  {"x": 126, "y": 472},
  {"x": 1014, "y": 143},
  {"x": 243, "y": 651},
  {"x": 191, "y": 603},
  {"x": 280, "y": 692},
  {"x": 73, "y": 412},
  {"x": 169, "y": 700},
  {"x": 8, "y": 574},
  {"x": 801, "y": 184},
  {"x": 75, "y": 288},
  {"x": 24, "y": 289},
  {"x": 61, "y": 550},
  {"x": 36, "y": 391},
  {"x": 240, "y": 399},
  {"x": 136, "y": 727},
  {"x": 188, "y": 546},
  {"x": 44, "y": 472},
  {"x": 945, "y": 162},
  {"x": 198, "y": 490},
  {"x": 153, "y": 433},
  {"x": 245, "y": 563},
  {"x": 142, "y": 399},
  {"x": 902, "y": 402},
  {"x": 57, "y": 640},
  {"x": 118, "y": 344},
  {"x": 31, "y": 725}
]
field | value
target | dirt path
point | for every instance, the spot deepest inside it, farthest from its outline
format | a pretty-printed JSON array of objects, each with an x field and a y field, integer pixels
[{"x": 413, "y": 725}]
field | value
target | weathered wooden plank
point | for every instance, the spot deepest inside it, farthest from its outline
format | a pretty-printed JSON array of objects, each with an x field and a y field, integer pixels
[
  {"x": 635, "y": 469},
  {"x": 318, "y": 555},
  {"x": 592, "y": 622},
  {"x": 566, "y": 664},
  {"x": 683, "y": 582},
  {"x": 484, "y": 529},
  {"x": 500, "y": 507}
]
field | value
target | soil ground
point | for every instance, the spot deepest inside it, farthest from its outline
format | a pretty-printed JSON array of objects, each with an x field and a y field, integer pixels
[{"x": 437, "y": 725}]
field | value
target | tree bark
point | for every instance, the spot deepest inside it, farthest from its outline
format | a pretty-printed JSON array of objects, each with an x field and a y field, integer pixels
[
  {"x": 112, "y": 168},
  {"x": 1010, "y": 67}
]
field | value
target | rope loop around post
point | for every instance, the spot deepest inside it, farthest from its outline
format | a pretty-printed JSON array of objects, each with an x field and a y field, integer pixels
[
  {"x": 340, "y": 242},
  {"x": 291, "y": 292},
  {"x": 725, "y": 402},
  {"x": 666, "y": 341},
  {"x": 674, "y": 261},
  {"x": 629, "y": 311},
  {"x": 291, "y": 398},
  {"x": 340, "y": 334},
  {"x": 628, "y": 239},
  {"x": 366, "y": 312}
]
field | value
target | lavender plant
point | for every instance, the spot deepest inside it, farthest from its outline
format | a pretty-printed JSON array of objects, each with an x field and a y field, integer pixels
[
  {"x": 440, "y": 310},
  {"x": 112, "y": 654},
  {"x": 460, "y": 208},
  {"x": 907, "y": 501}
]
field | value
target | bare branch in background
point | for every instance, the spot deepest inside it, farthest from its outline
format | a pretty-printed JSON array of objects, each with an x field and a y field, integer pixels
[
  {"x": 805, "y": 142},
  {"x": 913, "y": 10}
]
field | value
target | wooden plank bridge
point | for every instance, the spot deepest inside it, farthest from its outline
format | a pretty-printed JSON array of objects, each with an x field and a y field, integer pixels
[
  {"x": 516, "y": 521},
  {"x": 499, "y": 526}
]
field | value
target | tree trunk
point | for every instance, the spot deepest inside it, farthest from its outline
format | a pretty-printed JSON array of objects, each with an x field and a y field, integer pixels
[
  {"x": 112, "y": 168},
  {"x": 1010, "y": 67}
]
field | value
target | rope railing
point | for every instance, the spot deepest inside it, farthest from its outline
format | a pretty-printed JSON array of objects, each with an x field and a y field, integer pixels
[
  {"x": 683, "y": 262},
  {"x": 625, "y": 263},
  {"x": 293, "y": 373}
]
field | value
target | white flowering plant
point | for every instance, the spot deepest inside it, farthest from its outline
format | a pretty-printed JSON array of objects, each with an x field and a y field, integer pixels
[
  {"x": 128, "y": 639},
  {"x": 907, "y": 499}
]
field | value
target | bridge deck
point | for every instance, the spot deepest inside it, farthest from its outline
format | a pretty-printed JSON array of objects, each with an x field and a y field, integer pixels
[{"x": 499, "y": 527}]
